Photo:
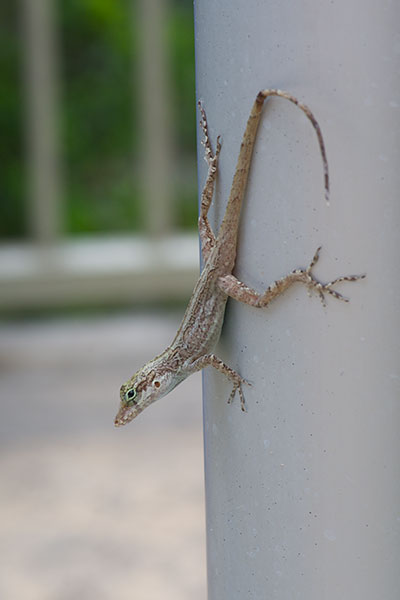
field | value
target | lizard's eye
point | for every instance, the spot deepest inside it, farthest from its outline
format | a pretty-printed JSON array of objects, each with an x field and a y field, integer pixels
[
  {"x": 157, "y": 384},
  {"x": 130, "y": 396}
]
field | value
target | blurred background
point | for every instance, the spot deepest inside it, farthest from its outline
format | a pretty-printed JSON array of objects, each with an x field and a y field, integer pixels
[{"x": 98, "y": 256}]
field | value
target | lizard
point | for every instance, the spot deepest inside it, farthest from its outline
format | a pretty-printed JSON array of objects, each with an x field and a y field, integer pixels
[{"x": 192, "y": 348}]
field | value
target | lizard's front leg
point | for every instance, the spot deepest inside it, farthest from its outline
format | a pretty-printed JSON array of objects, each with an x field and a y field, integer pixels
[
  {"x": 210, "y": 360},
  {"x": 239, "y": 291},
  {"x": 207, "y": 237}
]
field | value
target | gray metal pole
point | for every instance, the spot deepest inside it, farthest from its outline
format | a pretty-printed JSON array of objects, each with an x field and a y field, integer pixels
[
  {"x": 303, "y": 491},
  {"x": 41, "y": 91}
]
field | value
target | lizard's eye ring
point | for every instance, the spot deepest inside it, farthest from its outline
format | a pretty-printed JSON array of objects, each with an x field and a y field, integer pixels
[{"x": 130, "y": 396}]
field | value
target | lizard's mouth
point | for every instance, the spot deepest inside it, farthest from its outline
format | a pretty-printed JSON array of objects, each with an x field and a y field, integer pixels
[{"x": 126, "y": 414}]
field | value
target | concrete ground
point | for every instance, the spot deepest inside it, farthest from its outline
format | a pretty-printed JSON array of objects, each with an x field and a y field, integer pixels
[{"x": 89, "y": 511}]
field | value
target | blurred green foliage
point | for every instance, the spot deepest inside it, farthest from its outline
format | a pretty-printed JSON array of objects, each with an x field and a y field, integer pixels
[
  {"x": 99, "y": 113},
  {"x": 12, "y": 180}
]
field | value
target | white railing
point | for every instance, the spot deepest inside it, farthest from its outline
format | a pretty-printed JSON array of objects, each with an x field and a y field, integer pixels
[{"x": 51, "y": 270}]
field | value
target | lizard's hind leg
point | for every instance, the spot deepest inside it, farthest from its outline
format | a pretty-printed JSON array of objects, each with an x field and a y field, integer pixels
[
  {"x": 239, "y": 291},
  {"x": 207, "y": 237}
]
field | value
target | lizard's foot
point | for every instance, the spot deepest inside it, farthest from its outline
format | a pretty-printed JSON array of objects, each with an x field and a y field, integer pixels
[
  {"x": 322, "y": 288},
  {"x": 237, "y": 387},
  {"x": 210, "y": 360},
  {"x": 210, "y": 157}
]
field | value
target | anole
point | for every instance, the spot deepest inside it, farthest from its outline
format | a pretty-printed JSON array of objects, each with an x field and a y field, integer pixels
[{"x": 198, "y": 334}]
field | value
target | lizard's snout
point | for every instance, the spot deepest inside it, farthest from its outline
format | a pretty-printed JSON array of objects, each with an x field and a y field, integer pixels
[{"x": 125, "y": 415}]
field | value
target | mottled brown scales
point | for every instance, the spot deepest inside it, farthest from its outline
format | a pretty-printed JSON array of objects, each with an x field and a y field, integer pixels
[
  {"x": 198, "y": 334},
  {"x": 142, "y": 384}
]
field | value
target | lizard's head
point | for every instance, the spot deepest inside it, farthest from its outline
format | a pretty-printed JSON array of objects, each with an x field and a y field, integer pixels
[{"x": 139, "y": 392}]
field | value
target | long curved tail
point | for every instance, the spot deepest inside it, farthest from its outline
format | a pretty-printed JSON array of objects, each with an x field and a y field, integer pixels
[{"x": 231, "y": 219}]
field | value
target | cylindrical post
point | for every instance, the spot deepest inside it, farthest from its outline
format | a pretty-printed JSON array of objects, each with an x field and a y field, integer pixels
[
  {"x": 41, "y": 105},
  {"x": 303, "y": 490}
]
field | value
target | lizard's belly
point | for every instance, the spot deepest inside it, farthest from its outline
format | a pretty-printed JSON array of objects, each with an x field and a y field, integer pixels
[{"x": 203, "y": 332}]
